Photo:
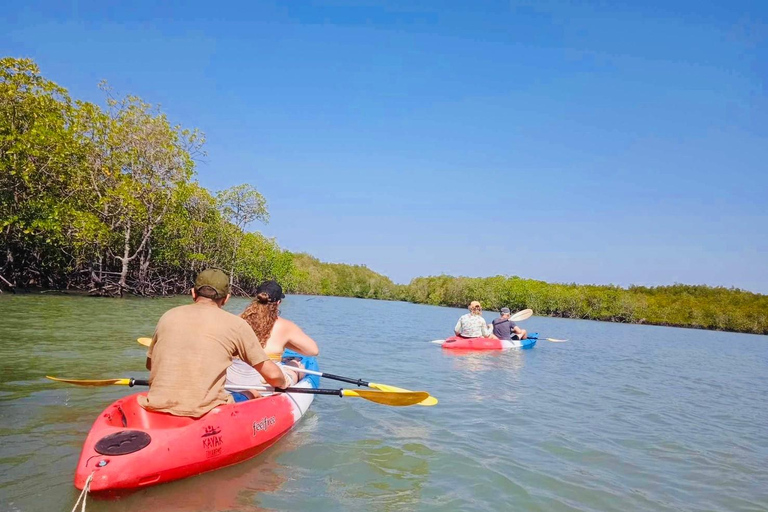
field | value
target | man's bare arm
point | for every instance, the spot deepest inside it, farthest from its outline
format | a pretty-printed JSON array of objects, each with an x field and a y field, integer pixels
[{"x": 272, "y": 374}]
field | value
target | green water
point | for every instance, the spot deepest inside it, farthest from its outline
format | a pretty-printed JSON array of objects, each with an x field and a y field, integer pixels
[{"x": 621, "y": 417}]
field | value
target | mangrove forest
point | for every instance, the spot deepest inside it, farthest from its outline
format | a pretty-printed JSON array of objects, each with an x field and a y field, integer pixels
[{"x": 102, "y": 198}]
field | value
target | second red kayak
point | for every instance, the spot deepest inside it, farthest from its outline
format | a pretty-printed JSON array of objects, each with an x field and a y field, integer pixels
[{"x": 459, "y": 343}]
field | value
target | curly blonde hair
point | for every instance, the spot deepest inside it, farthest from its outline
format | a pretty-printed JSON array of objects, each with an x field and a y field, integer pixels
[{"x": 261, "y": 315}]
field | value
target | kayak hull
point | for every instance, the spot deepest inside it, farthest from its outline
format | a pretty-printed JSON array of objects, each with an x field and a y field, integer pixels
[
  {"x": 162, "y": 447},
  {"x": 459, "y": 343}
]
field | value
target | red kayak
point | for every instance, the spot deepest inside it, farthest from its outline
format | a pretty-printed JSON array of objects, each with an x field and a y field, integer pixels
[
  {"x": 129, "y": 447},
  {"x": 459, "y": 343}
]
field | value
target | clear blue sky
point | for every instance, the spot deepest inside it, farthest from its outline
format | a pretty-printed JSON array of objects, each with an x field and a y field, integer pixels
[{"x": 620, "y": 142}]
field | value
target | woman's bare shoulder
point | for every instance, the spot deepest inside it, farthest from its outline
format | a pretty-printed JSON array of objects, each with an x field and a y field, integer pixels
[
  {"x": 284, "y": 324},
  {"x": 286, "y": 327},
  {"x": 295, "y": 337}
]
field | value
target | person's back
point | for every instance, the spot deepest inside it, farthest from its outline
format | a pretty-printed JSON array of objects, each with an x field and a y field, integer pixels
[
  {"x": 472, "y": 324},
  {"x": 276, "y": 333},
  {"x": 262, "y": 316},
  {"x": 287, "y": 334},
  {"x": 503, "y": 328},
  {"x": 192, "y": 348}
]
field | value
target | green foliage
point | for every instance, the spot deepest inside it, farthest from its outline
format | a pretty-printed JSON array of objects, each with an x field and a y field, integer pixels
[
  {"x": 679, "y": 305},
  {"x": 42, "y": 197},
  {"x": 241, "y": 205},
  {"x": 313, "y": 276},
  {"x": 105, "y": 199}
]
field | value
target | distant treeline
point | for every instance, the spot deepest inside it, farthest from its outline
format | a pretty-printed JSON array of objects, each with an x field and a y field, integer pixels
[
  {"x": 678, "y": 305},
  {"x": 104, "y": 199}
]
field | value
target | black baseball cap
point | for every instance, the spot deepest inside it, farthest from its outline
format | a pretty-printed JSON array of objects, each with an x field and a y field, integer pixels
[{"x": 273, "y": 290}]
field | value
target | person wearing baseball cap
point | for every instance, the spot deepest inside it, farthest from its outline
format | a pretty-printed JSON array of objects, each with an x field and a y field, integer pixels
[
  {"x": 275, "y": 334},
  {"x": 213, "y": 284},
  {"x": 506, "y": 329},
  {"x": 192, "y": 348},
  {"x": 472, "y": 325}
]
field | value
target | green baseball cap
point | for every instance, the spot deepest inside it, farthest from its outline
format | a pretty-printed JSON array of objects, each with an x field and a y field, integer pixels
[{"x": 213, "y": 278}]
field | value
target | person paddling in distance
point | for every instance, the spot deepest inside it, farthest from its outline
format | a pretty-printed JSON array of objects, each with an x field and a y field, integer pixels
[
  {"x": 472, "y": 324},
  {"x": 193, "y": 346},
  {"x": 506, "y": 329},
  {"x": 275, "y": 335}
]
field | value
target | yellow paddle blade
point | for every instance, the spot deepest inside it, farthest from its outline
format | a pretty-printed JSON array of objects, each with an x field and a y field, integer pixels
[
  {"x": 384, "y": 387},
  {"x": 144, "y": 341},
  {"x": 388, "y": 398},
  {"x": 105, "y": 382}
]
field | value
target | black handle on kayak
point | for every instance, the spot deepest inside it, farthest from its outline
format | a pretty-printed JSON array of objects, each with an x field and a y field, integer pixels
[{"x": 138, "y": 382}]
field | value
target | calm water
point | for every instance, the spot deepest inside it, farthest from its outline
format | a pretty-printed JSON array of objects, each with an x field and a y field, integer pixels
[{"x": 620, "y": 418}]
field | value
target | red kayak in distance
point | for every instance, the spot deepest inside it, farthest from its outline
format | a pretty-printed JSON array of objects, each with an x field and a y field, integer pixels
[{"x": 459, "y": 343}]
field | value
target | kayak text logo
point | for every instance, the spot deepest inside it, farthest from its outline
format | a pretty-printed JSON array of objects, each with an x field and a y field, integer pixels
[
  {"x": 264, "y": 424},
  {"x": 212, "y": 441}
]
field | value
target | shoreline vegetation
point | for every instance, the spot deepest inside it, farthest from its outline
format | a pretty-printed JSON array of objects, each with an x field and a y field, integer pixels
[{"x": 102, "y": 199}]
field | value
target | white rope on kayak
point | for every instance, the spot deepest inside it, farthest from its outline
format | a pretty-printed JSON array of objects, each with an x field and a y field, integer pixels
[{"x": 84, "y": 494}]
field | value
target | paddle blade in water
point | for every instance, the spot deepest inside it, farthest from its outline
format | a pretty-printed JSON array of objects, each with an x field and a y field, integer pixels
[
  {"x": 144, "y": 341},
  {"x": 387, "y": 398},
  {"x": 439, "y": 342},
  {"x": 93, "y": 383}
]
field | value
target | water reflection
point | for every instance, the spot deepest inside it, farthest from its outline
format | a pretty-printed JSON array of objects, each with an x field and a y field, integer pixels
[
  {"x": 478, "y": 361},
  {"x": 488, "y": 375},
  {"x": 378, "y": 476}
]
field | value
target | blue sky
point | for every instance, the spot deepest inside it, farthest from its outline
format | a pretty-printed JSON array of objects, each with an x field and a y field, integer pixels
[{"x": 569, "y": 141}]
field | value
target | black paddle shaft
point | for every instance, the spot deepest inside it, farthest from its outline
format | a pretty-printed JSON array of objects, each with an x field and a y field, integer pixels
[
  {"x": 312, "y": 391},
  {"x": 357, "y": 382}
]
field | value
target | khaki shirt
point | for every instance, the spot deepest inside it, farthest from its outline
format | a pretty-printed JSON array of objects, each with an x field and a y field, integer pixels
[{"x": 191, "y": 350}]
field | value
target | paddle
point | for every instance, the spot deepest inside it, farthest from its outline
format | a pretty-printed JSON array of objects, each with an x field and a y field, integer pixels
[
  {"x": 359, "y": 382},
  {"x": 130, "y": 382},
  {"x": 525, "y": 315},
  {"x": 522, "y": 315},
  {"x": 393, "y": 398}
]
